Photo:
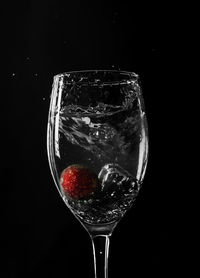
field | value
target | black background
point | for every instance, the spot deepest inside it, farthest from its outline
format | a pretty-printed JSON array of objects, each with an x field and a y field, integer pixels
[{"x": 39, "y": 40}]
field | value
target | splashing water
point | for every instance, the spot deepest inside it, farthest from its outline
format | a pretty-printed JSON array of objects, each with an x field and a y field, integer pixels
[{"x": 104, "y": 139}]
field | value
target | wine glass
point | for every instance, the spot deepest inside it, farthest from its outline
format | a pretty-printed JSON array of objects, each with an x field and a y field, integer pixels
[{"x": 97, "y": 145}]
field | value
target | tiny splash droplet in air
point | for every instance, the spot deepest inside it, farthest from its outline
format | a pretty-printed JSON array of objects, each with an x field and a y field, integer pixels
[
  {"x": 43, "y": 98},
  {"x": 13, "y": 74}
]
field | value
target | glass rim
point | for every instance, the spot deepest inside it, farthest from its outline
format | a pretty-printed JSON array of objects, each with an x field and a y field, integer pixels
[{"x": 130, "y": 73}]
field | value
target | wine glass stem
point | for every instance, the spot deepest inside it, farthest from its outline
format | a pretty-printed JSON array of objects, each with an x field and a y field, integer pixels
[{"x": 100, "y": 245}]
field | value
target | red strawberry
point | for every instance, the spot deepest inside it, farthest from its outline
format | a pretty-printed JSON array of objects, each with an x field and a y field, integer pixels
[{"x": 78, "y": 182}]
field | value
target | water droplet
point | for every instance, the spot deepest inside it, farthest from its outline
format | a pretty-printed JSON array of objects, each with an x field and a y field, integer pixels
[
  {"x": 43, "y": 98},
  {"x": 86, "y": 120},
  {"x": 13, "y": 74},
  {"x": 27, "y": 58},
  {"x": 35, "y": 74}
]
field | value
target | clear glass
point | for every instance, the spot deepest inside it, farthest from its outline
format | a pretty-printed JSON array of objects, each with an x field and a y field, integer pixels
[{"x": 97, "y": 143}]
